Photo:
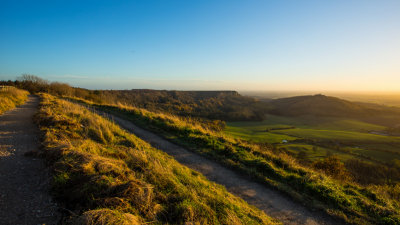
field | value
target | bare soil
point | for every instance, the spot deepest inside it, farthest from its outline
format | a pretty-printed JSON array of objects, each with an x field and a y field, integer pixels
[
  {"x": 24, "y": 180},
  {"x": 272, "y": 202}
]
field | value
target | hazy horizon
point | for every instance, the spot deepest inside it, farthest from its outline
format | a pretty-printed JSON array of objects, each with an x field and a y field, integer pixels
[{"x": 307, "y": 46}]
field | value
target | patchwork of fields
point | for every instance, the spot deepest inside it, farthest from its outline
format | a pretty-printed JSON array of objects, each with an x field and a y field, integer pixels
[{"x": 317, "y": 137}]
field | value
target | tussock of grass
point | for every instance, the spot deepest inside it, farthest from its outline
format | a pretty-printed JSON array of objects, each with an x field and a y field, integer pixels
[
  {"x": 112, "y": 177},
  {"x": 351, "y": 202},
  {"x": 106, "y": 217},
  {"x": 12, "y": 98}
]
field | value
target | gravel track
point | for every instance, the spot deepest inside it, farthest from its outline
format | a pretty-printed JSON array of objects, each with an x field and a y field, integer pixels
[
  {"x": 24, "y": 181},
  {"x": 272, "y": 202}
]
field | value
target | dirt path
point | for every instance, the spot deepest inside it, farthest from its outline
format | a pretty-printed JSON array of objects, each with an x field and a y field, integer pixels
[
  {"x": 270, "y": 201},
  {"x": 24, "y": 181}
]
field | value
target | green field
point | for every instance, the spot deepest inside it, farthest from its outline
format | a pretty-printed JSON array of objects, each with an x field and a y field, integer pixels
[
  {"x": 321, "y": 136},
  {"x": 257, "y": 135},
  {"x": 337, "y": 135}
]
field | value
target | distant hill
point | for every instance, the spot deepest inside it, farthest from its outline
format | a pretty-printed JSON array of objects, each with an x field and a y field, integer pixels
[
  {"x": 216, "y": 105},
  {"x": 321, "y": 105}
]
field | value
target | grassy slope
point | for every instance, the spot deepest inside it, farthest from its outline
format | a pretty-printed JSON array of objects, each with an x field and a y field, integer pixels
[
  {"x": 11, "y": 98},
  {"x": 355, "y": 204},
  {"x": 350, "y": 131},
  {"x": 108, "y": 174}
]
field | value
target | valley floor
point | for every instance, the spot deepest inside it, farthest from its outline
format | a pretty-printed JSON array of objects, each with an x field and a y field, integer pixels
[{"x": 318, "y": 137}]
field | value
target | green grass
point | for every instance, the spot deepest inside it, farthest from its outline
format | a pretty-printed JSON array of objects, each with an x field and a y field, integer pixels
[
  {"x": 12, "y": 98},
  {"x": 311, "y": 122},
  {"x": 258, "y": 135},
  {"x": 110, "y": 176},
  {"x": 353, "y": 203},
  {"x": 338, "y": 135},
  {"x": 351, "y": 135},
  {"x": 313, "y": 152},
  {"x": 378, "y": 155},
  {"x": 305, "y": 127}
]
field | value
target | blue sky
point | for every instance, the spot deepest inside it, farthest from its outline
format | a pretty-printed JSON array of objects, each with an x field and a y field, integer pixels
[{"x": 204, "y": 44}]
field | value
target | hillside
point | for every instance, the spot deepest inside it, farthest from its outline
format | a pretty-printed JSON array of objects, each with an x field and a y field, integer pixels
[
  {"x": 321, "y": 105},
  {"x": 317, "y": 188},
  {"x": 106, "y": 175},
  {"x": 215, "y": 105},
  {"x": 352, "y": 203}
]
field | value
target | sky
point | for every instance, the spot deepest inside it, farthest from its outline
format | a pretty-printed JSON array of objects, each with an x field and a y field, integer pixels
[{"x": 341, "y": 45}]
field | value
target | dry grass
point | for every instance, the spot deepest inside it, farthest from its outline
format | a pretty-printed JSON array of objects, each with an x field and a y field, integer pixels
[
  {"x": 100, "y": 167},
  {"x": 106, "y": 217},
  {"x": 354, "y": 203},
  {"x": 12, "y": 98}
]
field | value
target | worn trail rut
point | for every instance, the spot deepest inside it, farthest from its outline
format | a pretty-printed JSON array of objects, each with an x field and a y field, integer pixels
[
  {"x": 24, "y": 181},
  {"x": 272, "y": 202}
]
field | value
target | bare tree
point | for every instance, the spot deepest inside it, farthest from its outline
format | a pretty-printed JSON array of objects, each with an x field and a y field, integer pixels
[{"x": 33, "y": 83}]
